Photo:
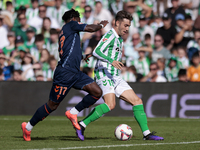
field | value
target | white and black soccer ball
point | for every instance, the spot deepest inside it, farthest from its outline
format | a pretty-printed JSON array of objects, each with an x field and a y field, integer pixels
[{"x": 123, "y": 132}]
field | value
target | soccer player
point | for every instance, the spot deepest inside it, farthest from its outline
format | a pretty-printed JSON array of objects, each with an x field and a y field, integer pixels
[
  {"x": 67, "y": 73},
  {"x": 109, "y": 52}
]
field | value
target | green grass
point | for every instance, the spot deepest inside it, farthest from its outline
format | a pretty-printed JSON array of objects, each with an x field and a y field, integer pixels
[{"x": 57, "y": 133}]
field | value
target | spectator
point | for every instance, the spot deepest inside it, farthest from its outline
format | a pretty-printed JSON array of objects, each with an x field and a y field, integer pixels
[
  {"x": 193, "y": 72},
  {"x": 19, "y": 41},
  {"x": 141, "y": 64},
  {"x": 116, "y": 6},
  {"x": 191, "y": 7},
  {"x": 80, "y": 7},
  {"x": 105, "y": 3},
  {"x": 136, "y": 76},
  {"x": 161, "y": 66},
  {"x": 8, "y": 49},
  {"x": 30, "y": 33},
  {"x": 157, "y": 23},
  {"x": 101, "y": 13},
  {"x": 17, "y": 56},
  {"x": 52, "y": 44},
  {"x": 171, "y": 70},
  {"x": 194, "y": 42},
  {"x": 27, "y": 64},
  {"x": 87, "y": 16},
  {"x": 8, "y": 13},
  {"x": 128, "y": 73},
  {"x": 21, "y": 29},
  {"x": 131, "y": 8},
  {"x": 183, "y": 61},
  {"x": 49, "y": 74},
  {"x": 191, "y": 51},
  {"x": 159, "y": 51},
  {"x": 174, "y": 10},
  {"x": 38, "y": 20},
  {"x": 153, "y": 75},
  {"x": 17, "y": 75},
  {"x": 3, "y": 32},
  {"x": 44, "y": 60},
  {"x": 57, "y": 11},
  {"x": 7, "y": 70},
  {"x": 167, "y": 32},
  {"x": 144, "y": 29},
  {"x": 1, "y": 75},
  {"x": 91, "y": 46},
  {"x": 131, "y": 53},
  {"x": 45, "y": 30},
  {"x": 39, "y": 76},
  {"x": 39, "y": 46},
  {"x": 31, "y": 12},
  {"x": 35, "y": 67},
  {"x": 159, "y": 6},
  {"x": 147, "y": 42},
  {"x": 141, "y": 7},
  {"x": 182, "y": 75},
  {"x": 185, "y": 30}
]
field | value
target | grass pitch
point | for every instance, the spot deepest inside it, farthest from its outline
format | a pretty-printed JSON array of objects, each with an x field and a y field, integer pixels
[{"x": 56, "y": 133}]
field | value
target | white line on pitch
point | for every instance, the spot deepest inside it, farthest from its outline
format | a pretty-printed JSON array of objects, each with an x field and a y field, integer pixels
[{"x": 124, "y": 145}]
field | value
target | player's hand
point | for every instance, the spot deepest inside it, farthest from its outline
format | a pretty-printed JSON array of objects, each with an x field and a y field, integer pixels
[
  {"x": 87, "y": 56},
  {"x": 117, "y": 64},
  {"x": 104, "y": 22}
]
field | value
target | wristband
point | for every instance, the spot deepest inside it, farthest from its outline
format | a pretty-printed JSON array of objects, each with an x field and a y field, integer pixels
[{"x": 102, "y": 25}]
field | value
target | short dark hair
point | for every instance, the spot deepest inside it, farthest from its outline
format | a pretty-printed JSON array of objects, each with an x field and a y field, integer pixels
[
  {"x": 18, "y": 71},
  {"x": 70, "y": 14},
  {"x": 182, "y": 72},
  {"x": 53, "y": 31},
  {"x": 39, "y": 37},
  {"x": 154, "y": 63},
  {"x": 87, "y": 6},
  {"x": 19, "y": 14},
  {"x": 123, "y": 15},
  {"x": 1, "y": 71},
  {"x": 8, "y": 3},
  {"x": 147, "y": 36}
]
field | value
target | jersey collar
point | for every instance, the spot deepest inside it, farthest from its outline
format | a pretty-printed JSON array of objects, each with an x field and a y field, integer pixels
[{"x": 115, "y": 33}]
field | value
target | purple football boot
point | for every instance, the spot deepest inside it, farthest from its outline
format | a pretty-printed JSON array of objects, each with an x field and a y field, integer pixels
[{"x": 151, "y": 136}]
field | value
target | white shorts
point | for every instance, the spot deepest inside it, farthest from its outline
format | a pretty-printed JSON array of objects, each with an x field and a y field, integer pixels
[{"x": 114, "y": 85}]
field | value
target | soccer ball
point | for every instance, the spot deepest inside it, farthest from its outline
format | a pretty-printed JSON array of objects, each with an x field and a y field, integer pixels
[{"x": 123, "y": 132}]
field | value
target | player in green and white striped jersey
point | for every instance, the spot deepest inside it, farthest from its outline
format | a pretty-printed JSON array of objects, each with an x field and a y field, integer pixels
[{"x": 108, "y": 52}]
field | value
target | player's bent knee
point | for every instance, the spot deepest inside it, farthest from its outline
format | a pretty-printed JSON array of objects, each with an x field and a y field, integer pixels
[
  {"x": 97, "y": 92},
  {"x": 52, "y": 105},
  {"x": 137, "y": 101},
  {"x": 111, "y": 106}
]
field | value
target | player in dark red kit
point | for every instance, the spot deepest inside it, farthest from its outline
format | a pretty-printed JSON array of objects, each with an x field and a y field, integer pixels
[{"x": 68, "y": 74}]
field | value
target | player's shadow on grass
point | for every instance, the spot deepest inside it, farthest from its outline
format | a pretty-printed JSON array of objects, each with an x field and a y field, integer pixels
[
  {"x": 63, "y": 138},
  {"x": 68, "y": 138}
]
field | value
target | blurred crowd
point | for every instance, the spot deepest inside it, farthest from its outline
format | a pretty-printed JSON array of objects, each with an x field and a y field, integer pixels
[{"x": 162, "y": 45}]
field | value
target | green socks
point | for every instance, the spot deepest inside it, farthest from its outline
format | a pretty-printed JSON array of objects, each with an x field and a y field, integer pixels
[
  {"x": 96, "y": 113},
  {"x": 140, "y": 117}
]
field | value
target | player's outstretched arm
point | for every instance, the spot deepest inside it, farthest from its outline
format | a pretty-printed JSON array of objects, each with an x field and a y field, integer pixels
[{"x": 96, "y": 27}]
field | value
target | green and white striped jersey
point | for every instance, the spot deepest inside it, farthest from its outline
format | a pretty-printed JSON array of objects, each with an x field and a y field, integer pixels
[
  {"x": 142, "y": 66},
  {"x": 108, "y": 49},
  {"x": 57, "y": 14}
]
